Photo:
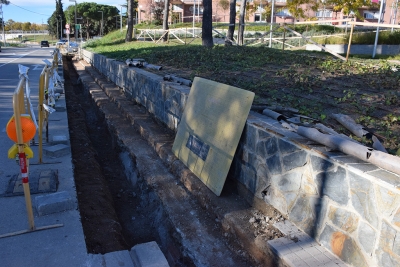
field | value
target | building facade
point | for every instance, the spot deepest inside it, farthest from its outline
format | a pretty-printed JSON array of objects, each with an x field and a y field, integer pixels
[{"x": 192, "y": 11}]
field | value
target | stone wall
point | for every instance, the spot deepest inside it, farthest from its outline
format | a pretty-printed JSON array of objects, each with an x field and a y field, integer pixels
[
  {"x": 358, "y": 49},
  {"x": 349, "y": 206}
]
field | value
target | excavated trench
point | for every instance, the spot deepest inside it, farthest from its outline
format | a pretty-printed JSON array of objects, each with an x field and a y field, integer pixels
[
  {"x": 115, "y": 214},
  {"x": 127, "y": 196}
]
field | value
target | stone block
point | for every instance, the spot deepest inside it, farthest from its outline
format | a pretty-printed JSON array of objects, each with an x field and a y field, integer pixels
[
  {"x": 319, "y": 164},
  {"x": 290, "y": 182},
  {"x": 343, "y": 219},
  {"x": 56, "y": 151},
  {"x": 303, "y": 213},
  {"x": 118, "y": 258},
  {"x": 251, "y": 138},
  {"x": 55, "y": 202},
  {"x": 342, "y": 246},
  {"x": 387, "y": 200},
  {"x": 294, "y": 160},
  {"x": 367, "y": 237},
  {"x": 148, "y": 255},
  {"x": 286, "y": 146},
  {"x": 334, "y": 184},
  {"x": 363, "y": 198},
  {"x": 59, "y": 139},
  {"x": 274, "y": 165}
]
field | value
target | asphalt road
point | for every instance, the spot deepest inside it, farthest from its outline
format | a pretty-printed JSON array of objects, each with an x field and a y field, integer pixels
[{"x": 10, "y": 58}]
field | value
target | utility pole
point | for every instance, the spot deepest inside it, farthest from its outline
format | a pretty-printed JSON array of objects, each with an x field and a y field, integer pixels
[{"x": 2, "y": 22}]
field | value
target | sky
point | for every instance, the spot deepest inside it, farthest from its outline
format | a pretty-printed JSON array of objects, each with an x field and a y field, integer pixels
[{"x": 38, "y": 11}]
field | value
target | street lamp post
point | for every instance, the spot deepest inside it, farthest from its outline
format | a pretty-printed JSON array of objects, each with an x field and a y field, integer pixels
[
  {"x": 101, "y": 29},
  {"x": 75, "y": 31},
  {"x": 2, "y": 22},
  {"x": 272, "y": 21},
  {"x": 120, "y": 13},
  {"x": 377, "y": 29}
]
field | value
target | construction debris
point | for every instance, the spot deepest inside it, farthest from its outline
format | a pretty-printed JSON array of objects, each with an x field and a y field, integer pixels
[{"x": 358, "y": 130}]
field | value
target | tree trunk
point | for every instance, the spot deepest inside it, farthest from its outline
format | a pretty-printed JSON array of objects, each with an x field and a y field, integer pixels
[
  {"x": 207, "y": 38},
  {"x": 165, "y": 19},
  {"x": 129, "y": 31},
  {"x": 232, "y": 20},
  {"x": 241, "y": 22}
]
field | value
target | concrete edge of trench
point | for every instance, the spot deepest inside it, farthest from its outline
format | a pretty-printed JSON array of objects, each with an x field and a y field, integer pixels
[{"x": 234, "y": 219}]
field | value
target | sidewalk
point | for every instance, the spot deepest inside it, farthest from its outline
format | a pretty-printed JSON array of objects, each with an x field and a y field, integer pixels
[{"x": 54, "y": 205}]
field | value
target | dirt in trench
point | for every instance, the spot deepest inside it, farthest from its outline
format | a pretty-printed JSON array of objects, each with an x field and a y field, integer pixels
[{"x": 111, "y": 211}]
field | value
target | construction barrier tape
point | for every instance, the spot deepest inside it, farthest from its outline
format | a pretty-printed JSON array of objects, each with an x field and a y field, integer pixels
[{"x": 23, "y": 71}]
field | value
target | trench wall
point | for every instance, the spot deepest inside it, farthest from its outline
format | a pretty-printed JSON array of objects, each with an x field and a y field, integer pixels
[{"x": 350, "y": 206}]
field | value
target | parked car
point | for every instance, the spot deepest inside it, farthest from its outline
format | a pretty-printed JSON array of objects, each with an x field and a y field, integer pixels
[
  {"x": 73, "y": 47},
  {"x": 44, "y": 44},
  {"x": 60, "y": 43}
]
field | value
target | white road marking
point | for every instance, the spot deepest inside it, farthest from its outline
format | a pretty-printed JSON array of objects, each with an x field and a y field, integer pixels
[
  {"x": 37, "y": 67},
  {"x": 17, "y": 58}
]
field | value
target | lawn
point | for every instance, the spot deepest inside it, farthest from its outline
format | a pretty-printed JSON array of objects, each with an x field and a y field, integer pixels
[{"x": 316, "y": 84}]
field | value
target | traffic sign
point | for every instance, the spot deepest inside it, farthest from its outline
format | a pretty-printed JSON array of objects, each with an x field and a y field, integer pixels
[
  {"x": 66, "y": 26},
  {"x": 77, "y": 26},
  {"x": 67, "y": 31}
]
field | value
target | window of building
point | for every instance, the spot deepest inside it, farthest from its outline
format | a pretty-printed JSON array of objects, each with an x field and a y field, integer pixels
[
  {"x": 371, "y": 15},
  {"x": 283, "y": 13},
  {"x": 324, "y": 13},
  {"x": 257, "y": 17}
]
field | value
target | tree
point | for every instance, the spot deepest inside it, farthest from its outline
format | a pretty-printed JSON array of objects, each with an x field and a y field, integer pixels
[
  {"x": 6, "y": 2},
  {"x": 232, "y": 20},
  {"x": 241, "y": 22},
  {"x": 207, "y": 39},
  {"x": 224, "y": 4},
  {"x": 165, "y": 19},
  {"x": 26, "y": 26},
  {"x": 129, "y": 32},
  {"x": 349, "y": 6},
  {"x": 296, "y": 7},
  {"x": 55, "y": 20}
]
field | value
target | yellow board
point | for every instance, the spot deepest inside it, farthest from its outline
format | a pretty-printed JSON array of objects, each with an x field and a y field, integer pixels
[{"x": 210, "y": 129}]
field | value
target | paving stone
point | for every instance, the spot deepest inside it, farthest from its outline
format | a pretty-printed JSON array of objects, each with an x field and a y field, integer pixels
[
  {"x": 118, "y": 258},
  {"x": 56, "y": 151},
  {"x": 59, "y": 139},
  {"x": 53, "y": 203},
  {"x": 148, "y": 255}
]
